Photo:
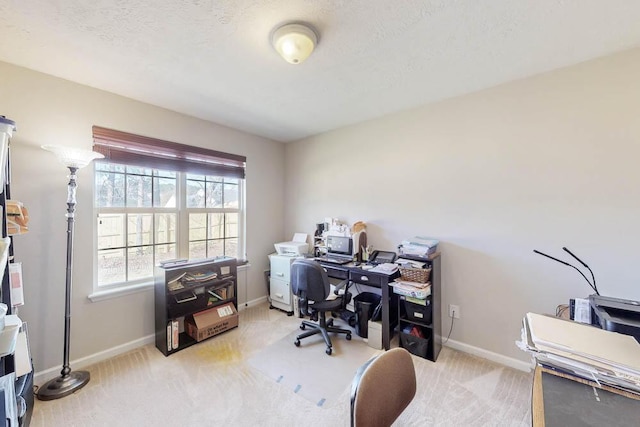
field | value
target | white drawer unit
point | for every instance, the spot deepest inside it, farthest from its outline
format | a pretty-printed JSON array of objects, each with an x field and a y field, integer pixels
[{"x": 280, "y": 291}]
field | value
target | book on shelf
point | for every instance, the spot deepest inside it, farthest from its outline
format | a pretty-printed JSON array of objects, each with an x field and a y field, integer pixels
[
  {"x": 220, "y": 293},
  {"x": 176, "y": 283},
  {"x": 175, "y": 286},
  {"x": 200, "y": 277},
  {"x": 190, "y": 279}
]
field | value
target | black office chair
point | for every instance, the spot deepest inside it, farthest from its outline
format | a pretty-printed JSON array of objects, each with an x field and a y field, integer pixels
[
  {"x": 310, "y": 284},
  {"x": 382, "y": 389}
]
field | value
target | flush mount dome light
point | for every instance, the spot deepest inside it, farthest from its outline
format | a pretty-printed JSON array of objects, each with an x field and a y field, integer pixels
[{"x": 294, "y": 42}]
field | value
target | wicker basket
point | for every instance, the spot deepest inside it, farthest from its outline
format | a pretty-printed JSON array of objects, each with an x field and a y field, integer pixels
[{"x": 420, "y": 275}]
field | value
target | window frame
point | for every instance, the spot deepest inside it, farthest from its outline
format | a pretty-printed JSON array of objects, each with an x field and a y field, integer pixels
[
  {"x": 218, "y": 165},
  {"x": 182, "y": 230}
]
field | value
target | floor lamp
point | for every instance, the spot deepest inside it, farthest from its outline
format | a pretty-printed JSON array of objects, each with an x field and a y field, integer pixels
[{"x": 68, "y": 382}]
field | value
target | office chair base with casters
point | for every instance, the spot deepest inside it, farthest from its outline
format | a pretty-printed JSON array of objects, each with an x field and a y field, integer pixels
[
  {"x": 310, "y": 284},
  {"x": 324, "y": 327}
]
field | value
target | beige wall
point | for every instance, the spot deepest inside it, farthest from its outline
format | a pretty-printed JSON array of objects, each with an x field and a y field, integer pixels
[
  {"x": 48, "y": 110},
  {"x": 542, "y": 163}
]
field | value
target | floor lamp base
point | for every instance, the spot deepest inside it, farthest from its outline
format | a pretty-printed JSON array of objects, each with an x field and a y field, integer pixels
[{"x": 63, "y": 386}]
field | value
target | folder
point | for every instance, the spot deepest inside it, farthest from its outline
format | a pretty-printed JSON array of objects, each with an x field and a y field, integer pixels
[
  {"x": 604, "y": 357},
  {"x": 552, "y": 333}
]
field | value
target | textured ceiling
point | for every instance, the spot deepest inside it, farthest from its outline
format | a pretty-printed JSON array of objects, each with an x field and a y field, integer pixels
[{"x": 213, "y": 60}]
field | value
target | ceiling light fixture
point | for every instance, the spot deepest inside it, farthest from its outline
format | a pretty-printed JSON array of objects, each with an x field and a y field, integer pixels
[{"x": 294, "y": 42}]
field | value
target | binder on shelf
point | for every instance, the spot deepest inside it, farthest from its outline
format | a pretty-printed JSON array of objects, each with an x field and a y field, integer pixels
[
  {"x": 169, "y": 336},
  {"x": 175, "y": 334},
  {"x": 15, "y": 279}
]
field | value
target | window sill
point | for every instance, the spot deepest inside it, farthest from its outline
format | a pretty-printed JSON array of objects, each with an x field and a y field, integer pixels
[
  {"x": 142, "y": 287},
  {"x": 119, "y": 292}
]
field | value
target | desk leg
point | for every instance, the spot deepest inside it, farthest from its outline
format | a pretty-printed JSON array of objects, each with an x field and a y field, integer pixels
[
  {"x": 385, "y": 316},
  {"x": 537, "y": 402}
]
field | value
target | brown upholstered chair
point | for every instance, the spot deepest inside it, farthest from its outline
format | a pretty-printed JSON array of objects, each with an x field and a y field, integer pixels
[{"x": 382, "y": 388}]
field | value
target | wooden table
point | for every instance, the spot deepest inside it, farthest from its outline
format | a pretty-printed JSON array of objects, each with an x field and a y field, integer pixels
[{"x": 561, "y": 401}]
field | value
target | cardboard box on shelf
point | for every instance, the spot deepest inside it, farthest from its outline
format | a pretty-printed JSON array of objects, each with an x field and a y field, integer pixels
[{"x": 213, "y": 321}]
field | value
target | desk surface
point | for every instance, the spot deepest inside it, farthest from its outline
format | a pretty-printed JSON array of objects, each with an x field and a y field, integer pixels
[{"x": 559, "y": 401}]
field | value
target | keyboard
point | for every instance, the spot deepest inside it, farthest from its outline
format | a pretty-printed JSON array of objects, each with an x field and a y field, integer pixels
[{"x": 334, "y": 260}]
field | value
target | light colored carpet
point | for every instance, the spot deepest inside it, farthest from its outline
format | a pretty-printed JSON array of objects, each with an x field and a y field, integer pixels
[
  {"x": 212, "y": 383},
  {"x": 308, "y": 371}
]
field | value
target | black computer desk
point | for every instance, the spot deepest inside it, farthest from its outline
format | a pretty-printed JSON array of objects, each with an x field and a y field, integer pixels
[{"x": 357, "y": 274}]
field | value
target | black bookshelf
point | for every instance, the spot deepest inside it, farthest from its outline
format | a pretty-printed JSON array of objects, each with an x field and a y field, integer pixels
[{"x": 184, "y": 288}]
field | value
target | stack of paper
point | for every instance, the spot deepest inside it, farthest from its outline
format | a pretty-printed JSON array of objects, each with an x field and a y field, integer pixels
[
  {"x": 5, "y": 244},
  {"x": 419, "y": 246},
  {"x": 411, "y": 289},
  {"x": 408, "y": 263},
  {"x": 386, "y": 268},
  {"x": 607, "y": 358}
]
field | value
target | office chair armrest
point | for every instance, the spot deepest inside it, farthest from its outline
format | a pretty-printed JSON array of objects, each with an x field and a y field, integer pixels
[{"x": 344, "y": 284}]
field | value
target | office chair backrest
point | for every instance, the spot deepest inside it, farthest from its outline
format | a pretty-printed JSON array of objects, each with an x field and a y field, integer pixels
[
  {"x": 382, "y": 388},
  {"x": 309, "y": 277}
]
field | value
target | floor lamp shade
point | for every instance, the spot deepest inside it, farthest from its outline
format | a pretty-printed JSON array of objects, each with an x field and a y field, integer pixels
[{"x": 69, "y": 381}]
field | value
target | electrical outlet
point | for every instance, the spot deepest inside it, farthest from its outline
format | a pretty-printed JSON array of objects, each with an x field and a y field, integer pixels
[{"x": 454, "y": 311}]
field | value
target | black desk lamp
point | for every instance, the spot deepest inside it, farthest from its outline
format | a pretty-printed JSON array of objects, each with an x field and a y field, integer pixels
[
  {"x": 68, "y": 382},
  {"x": 591, "y": 284}
]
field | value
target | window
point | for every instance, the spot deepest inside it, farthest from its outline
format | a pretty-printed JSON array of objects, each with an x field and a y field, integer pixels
[
  {"x": 213, "y": 204},
  {"x": 150, "y": 206}
]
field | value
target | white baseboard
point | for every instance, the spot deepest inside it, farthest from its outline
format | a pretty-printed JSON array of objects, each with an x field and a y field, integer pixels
[
  {"x": 489, "y": 355},
  {"x": 252, "y": 303},
  {"x": 46, "y": 375}
]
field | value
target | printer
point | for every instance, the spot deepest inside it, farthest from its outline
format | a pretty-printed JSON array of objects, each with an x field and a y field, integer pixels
[
  {"x": 291, "y": 248},
  {"x": 615, "y": 314},
  {"x": 297, "y": 246}
]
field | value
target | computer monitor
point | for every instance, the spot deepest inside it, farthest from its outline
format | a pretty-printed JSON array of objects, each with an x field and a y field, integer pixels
[{"x": 339, "y": 245}]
